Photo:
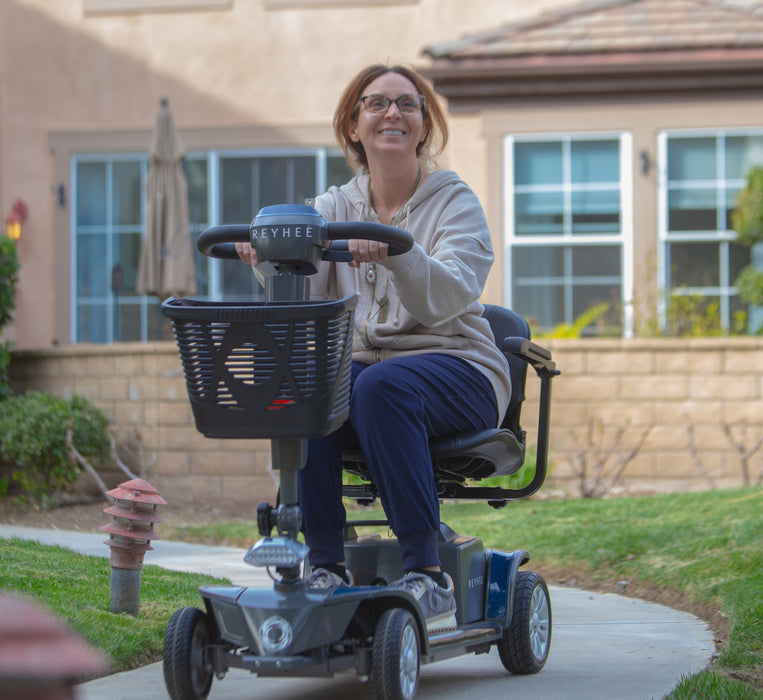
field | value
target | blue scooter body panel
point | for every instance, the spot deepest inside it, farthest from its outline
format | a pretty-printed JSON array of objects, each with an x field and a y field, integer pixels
[{"x": 501, "y": 577}]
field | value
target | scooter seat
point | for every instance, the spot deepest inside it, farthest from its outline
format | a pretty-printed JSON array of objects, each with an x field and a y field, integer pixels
[{"x": 493, "y": 452}]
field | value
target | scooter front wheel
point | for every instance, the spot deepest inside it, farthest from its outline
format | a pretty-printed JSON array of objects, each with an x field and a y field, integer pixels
[
  {"x": 396, "y": 656},
  {"x": 526, "y": 642},
  {"x": 187, "y": 671}
]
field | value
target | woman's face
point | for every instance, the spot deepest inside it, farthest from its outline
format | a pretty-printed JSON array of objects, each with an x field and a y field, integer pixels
[{"x": 392, "y": 132}]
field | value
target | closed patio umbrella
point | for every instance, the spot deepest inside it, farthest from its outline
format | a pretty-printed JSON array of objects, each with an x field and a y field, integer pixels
[{"x": 166, "y": 258}]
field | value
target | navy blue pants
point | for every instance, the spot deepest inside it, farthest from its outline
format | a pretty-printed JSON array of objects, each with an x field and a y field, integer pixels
[{"x": 395, "y": 407}]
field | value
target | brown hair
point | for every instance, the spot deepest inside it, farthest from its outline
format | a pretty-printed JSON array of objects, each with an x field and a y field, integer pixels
[{"x": 349, "y": 104}]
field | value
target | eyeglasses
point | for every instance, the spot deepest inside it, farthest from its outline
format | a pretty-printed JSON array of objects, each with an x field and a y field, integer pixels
[{"x": 379, "y": 104}]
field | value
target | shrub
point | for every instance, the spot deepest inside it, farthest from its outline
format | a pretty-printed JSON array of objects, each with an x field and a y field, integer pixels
[
  {"x": 9, "y": 266},
  {"x": 693, "y": 316},
  {"x": 747, "y": 217},
  {"x": 750, "y": 286},
  {"x": 5, "y": 361},
  {"x": 592, "y": 318},
  {"x": 33, "y": 444}
]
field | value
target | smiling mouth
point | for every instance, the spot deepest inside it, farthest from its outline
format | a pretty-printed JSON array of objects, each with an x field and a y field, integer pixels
[{"x": 391, "y": 132}]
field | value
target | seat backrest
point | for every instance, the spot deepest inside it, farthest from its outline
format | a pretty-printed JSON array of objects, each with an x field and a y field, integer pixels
[
  {"x": 506, "y": 323},
  {"x": 466, "y": 457},
  {"x": 472, "y": 456}
]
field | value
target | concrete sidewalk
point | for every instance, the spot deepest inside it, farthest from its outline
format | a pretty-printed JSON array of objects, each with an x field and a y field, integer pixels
[{"x": 603, "y": 646}]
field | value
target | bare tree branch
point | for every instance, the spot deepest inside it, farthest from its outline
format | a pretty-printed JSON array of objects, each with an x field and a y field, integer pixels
[
  {"x": 137, "y": 451},
  {"x": 624, "y": 461},
  {"x": 591, "y": 464},
  {"x": 695, "y": 455},
  {"x": 742, "y": 451},
  {"x": 607, "y": 453},
  {"x": 115, "y": 456},
  {"x": 82, "y": 461}
]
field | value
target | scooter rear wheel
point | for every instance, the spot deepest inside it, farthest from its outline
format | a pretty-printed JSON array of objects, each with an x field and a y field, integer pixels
[
  {"x": 396, "y": 656},
  {"x": 526, "y": 642},
  {"x": 187, "y": 671}
]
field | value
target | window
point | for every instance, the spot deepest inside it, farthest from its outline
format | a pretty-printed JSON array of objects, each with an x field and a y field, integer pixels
[
  {"x": 108, "y": 224},
  {"x": 567, "y": 225},
  {"x": 700, "y": 178}
]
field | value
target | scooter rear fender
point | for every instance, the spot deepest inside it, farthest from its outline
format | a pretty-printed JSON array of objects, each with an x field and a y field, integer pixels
[{"x": 501, "y": 578}]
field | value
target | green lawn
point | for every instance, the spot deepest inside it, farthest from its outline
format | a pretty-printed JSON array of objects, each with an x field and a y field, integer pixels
[
  {"x": 701, "y": 551},
  {"x": 76, "y": 587}
]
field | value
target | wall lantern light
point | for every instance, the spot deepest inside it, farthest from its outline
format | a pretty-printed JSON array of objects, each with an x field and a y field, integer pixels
[
  {"x": 646, "y": 161},
  {"x": 16, "y": 219}
]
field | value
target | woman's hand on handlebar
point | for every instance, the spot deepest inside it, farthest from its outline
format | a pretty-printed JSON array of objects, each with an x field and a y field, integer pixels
[
  {"x": 362, "y": 251},
  {"x": 366, "y": 251},
  {"x": 246, "y": 253}
]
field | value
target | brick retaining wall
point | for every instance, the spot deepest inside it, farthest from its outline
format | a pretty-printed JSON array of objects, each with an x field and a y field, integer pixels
[
  {"x": 628, "y": 385},
  {"x": 660, "y": 385}
]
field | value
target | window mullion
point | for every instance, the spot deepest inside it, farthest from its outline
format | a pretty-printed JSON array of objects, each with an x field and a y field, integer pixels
[
  {"x": 214, "y": 195},
  {"x": 112, "y": 329},
  {"x": 143, "y": 299},
  {"x": 321, "y": 170},
  {"x": 73, "y": 296},
  {"x": 723, "y": 251},
  {"x": 627, "y": 255},
  {"x": 566, "y": 189},
  {"x": 290, "y": 179},
  {"x": 568, "y": 273}
]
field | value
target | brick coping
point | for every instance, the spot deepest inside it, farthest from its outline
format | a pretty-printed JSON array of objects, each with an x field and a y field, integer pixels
[{"x": 167, "y": 347}]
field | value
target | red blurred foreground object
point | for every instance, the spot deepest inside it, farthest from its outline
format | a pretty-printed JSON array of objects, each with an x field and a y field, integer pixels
[{"x": 40, "y": 658}]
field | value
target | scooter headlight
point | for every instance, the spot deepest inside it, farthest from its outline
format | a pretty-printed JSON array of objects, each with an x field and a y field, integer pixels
[
  {"x": 277, "y": 551},
  {"x": 275, "y": 634}
]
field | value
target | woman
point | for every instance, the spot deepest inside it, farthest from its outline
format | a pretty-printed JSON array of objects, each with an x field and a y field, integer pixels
[{"x": 424, "y": 360}]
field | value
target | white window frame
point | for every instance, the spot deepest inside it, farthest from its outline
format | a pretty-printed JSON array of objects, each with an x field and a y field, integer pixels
[
  {"x": 213, "y": 158},
  {"x": 721, "y": 235},
  {"x": 110, "y": 159},
  {"x": 624, "y": 239}
]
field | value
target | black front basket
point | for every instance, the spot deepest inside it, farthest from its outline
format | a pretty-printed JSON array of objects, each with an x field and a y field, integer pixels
[{"x": 268, "y": 370}]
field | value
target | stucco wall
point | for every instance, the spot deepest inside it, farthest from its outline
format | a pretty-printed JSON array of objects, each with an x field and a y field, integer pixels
[
  {"x": 226, "y": 67},
  {"x": 632, "y": 385},
  {"x": 79, "y": 76}
]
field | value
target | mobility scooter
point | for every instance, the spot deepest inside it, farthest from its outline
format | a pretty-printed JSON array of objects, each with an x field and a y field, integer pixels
[{"x": 280, "y": 369}]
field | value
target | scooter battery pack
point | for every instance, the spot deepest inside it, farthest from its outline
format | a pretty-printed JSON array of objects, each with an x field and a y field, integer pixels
[{"x": 375, "y": 560}]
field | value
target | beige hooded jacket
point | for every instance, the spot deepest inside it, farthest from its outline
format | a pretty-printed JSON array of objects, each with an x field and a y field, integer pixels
[{"x": 426, "y": 300}]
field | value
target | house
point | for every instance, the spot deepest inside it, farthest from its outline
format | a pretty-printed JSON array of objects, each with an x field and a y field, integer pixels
[
  {"x": 615, "y": 137},
  {"x": 252, "y": 85},
  {"x": 607, "y": 140}
]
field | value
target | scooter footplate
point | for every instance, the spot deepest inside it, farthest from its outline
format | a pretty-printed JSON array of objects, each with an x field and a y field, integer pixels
[
  {"x": 306, "y": 666},
  {"x": 465, "y": 640}
]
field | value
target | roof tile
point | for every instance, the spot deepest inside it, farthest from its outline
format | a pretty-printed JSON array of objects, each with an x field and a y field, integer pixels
[{"x": 606, "y": 26}]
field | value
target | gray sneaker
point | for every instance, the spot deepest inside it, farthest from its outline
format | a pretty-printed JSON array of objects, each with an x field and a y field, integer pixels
[
  {"x": 325, "y": 581},
  {"x": 438, "y": 604}
]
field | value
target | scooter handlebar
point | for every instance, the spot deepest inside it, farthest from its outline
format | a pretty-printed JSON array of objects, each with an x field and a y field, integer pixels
[
  {"x": 217, "y": 241},
  {"x": 399, "y": 241}
]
